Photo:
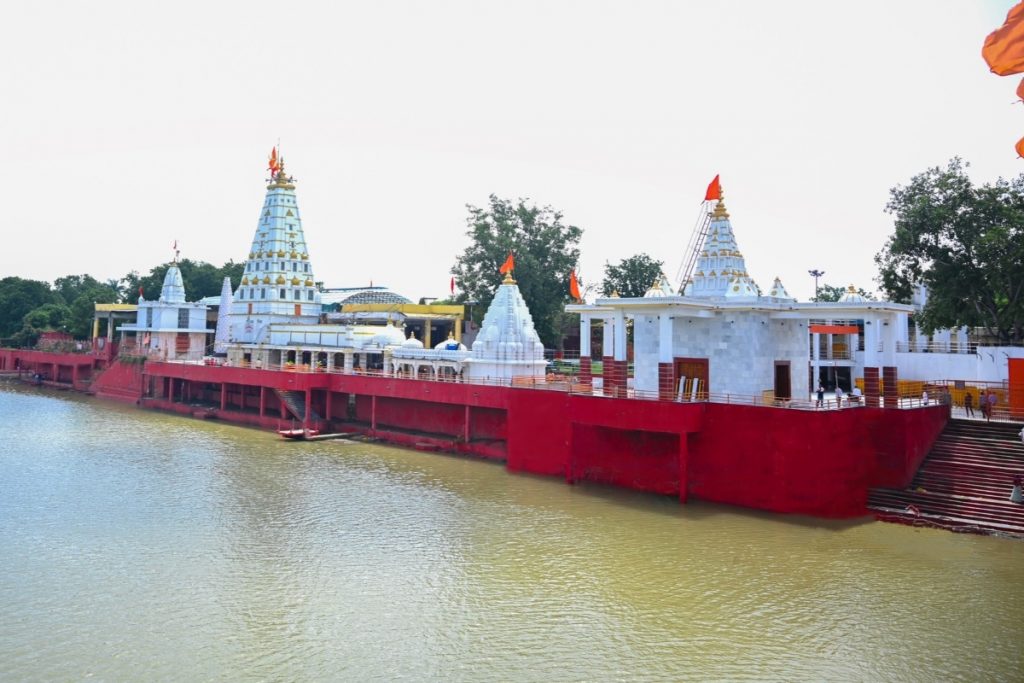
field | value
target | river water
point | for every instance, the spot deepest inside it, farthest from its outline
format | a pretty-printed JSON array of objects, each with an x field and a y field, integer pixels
[{"x": 141, "y": 546}]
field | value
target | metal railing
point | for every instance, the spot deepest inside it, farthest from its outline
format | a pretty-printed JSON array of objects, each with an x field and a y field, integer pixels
[{"x": 572, "y": 384}]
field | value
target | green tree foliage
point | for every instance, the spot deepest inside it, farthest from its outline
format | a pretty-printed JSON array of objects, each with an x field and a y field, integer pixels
[
  {"x": 81, "y": 293},
  {"x": 17, "y": 298},
  {"x": 632, "y": 276},
  {"x": 45, "y": 318},
  {"x": 546, "y": 251},
  {"x": 833, "y": 293},
  {"x": 965, "y": 243}
]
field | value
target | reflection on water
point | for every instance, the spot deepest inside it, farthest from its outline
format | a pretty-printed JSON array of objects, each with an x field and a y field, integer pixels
[{"x": 141, "y": 546}]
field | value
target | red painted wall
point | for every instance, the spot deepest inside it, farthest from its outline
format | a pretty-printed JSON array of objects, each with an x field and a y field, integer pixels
[
  {"x": 647, "y": 461},
  {"x": 809, "y": 462},
  {"x": 121, "y": 382}
]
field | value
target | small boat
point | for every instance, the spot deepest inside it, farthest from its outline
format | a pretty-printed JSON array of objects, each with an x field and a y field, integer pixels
[{"x": 298, "y": 434}]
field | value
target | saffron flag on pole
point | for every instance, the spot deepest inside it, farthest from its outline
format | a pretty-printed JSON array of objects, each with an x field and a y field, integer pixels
[
  {"x": 508, "y": 265},
  {"x": 1020, "y": 89},
  {"x": 274, "y": 165},
  {"x": 1004, "y": 48},
  {"x": 1020, "y": 148},
  {"x": 451, "y": 285},
  {"x": 714, "y": 190},
  {"x": 574, "y": 286}
]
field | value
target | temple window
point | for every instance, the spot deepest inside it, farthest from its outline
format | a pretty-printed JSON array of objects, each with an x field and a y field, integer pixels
[
  {"x": 182, "y": 317},
  {"x": 309, "y": 295},
  {"x": 283, "y": 294},
  {"x": 263, "y": 292},
  {"x": 295, "y": 266},
  {"x": 307, "y": 267},
  {"x": 297, "y": 294}
]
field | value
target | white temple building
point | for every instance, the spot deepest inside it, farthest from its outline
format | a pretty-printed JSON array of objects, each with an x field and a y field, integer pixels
[
  {"x": 170, "y": 328},
  {"x": 507, "y": 346},
  {"x": 273, "y": 319},
  {"x": 724, "y": 337},
  {"x": 277, "y": 285}
]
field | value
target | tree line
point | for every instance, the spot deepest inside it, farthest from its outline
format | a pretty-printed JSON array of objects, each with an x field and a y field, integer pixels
[{"x": 31, "y": 307}]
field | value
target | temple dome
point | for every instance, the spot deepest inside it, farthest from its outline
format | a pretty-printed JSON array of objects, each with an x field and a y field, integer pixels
[
  {"x": 778, "y": 291},
  {"x": 389, "y": 335},
  {"x": 659, "y": 288},
  {"x": 412, "y": 342},
  {"x": 852, "y": 297},
  {"x": 173, "y": 291},
  {"x": 374, "y": 296},
  {"x": 450, "y": 344}
]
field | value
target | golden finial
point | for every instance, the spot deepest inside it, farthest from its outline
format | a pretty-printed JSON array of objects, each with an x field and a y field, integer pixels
[
  {"x": 508, "y": 279},
  {"x": 615, "y": 294},
  {"x": 720, "y": 211},
  {"x": 851, "y": 289}
]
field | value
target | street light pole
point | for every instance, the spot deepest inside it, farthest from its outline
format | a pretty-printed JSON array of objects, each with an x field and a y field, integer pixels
[{"x": 816, "y": 274}]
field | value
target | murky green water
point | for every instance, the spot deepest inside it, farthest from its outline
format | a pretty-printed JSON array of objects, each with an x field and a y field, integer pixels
[{"x": 140, "y": 546}]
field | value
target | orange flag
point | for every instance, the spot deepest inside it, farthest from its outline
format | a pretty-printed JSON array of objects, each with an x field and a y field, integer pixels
[
  {"x": 714, "y": 190},
  {"x": 1004, "y": 47},
  {"x": 274, "y": 166},
  {"x": 508, "y": 265},
  {"x": 574, "y": 286},
  {"x": 1020, "y": 147},
  {"x": 1020, "y": 89}
]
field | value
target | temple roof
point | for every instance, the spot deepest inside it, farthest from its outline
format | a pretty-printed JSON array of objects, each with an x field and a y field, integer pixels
[
  {"x": 173, "y": 291},
  {"x": 721, "y": 269},
  {"x": 507, "y": 332}
]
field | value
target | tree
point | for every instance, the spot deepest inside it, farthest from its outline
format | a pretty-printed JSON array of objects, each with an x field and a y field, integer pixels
[
  {"x": 632, "y": 277},
  {"x": 18, "y": 297},
  {"x": 965, "y": 244},
  {"x": 545, "y": 251},
  {"x": 81, "y": 293},
  {"x": 833, "y": 293}
]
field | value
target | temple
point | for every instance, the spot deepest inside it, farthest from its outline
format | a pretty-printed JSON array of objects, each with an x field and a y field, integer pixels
[
  {"x": 170, "y": 328},
  {"x": 704, "y": 387},
  {"x": 723, "y": 337},
  {"x": 276, "y": 320}
]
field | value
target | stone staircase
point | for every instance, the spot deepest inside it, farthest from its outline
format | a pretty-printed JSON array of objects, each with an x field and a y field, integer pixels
[
  {"x": 964, "y": 484},
  {"x": 296, "y": 403}
]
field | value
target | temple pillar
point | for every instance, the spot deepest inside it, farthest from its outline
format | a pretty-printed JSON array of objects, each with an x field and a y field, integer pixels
[
  {"x": 872, "y": 394},
  {"x": 426, "y": 334},
  {"x": 890, "y": 387},
  {"x": 585, "y": 374},
  {"x": 666, "y": 368},
  {"x": 349, "y": 362},
  {"x": 95, "y": 326},
  {"x": 607, "y": 350}
]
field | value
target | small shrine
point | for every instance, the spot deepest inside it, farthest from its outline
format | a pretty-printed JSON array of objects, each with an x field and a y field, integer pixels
[
  {"x": 507, "y": 346},
  {"x": 170, "y": 328}
]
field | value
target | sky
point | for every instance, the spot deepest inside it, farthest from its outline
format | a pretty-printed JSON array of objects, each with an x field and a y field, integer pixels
[{"x": 128, "y": 126}]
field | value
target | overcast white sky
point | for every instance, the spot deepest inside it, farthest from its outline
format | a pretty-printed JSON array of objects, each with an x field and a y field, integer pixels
[{"x": 129, "y": 125}]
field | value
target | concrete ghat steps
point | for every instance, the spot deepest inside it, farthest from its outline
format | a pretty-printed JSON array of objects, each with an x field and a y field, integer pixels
[
  {"x": 296, "y": 404},
  {"x": 964, "y": 484}
]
